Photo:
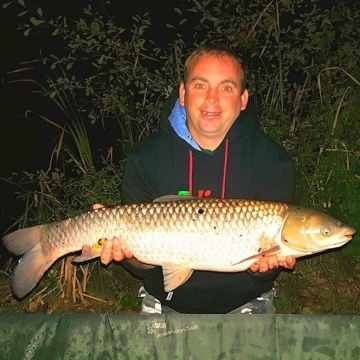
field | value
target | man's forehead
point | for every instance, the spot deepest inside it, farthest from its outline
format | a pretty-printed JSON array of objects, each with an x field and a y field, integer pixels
[{"x": 205, "y": 69}]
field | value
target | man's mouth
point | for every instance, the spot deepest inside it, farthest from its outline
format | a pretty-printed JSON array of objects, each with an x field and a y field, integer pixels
[{"x": 208, "y": 113}]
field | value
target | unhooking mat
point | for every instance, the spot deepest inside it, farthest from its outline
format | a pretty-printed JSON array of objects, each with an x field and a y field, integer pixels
[{"x": 187, "y": 337}]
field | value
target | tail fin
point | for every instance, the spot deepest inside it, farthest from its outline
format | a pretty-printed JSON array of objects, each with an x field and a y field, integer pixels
[
  {"x": 32, "y": 265},
  {"x": 22, "y": 240}
]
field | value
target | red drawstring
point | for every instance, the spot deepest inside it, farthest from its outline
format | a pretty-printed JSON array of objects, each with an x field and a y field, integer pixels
[
  {"x": 224, "y": 169},
  {"x": 191, "y": 168},
  {"x": 190, "y": 172}
]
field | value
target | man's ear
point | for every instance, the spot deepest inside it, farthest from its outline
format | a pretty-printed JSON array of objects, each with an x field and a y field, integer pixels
[
  {"x": 182, "y": 94},
  {"x": 244, "y": 99}
]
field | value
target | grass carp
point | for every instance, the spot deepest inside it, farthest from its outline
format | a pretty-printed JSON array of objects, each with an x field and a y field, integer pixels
[{"x": 225, "y": 235}]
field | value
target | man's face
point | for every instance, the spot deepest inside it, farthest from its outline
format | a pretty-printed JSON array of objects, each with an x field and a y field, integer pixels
[{"x": 212, "y": 98}]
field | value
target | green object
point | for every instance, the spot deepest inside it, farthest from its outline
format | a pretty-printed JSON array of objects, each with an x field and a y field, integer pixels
[
  {"x": 190, "y": 337},
  {"x": 183, "y": 192}
]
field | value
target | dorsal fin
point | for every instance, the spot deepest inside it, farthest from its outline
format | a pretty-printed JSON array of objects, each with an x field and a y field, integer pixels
[{"x": 167, "y": 198}]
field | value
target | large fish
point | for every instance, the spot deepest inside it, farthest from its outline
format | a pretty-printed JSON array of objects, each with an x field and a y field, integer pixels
[{"x": 184, "y": 235}]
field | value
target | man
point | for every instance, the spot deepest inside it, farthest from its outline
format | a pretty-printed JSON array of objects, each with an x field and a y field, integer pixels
[{"x": 209, "y": 144}]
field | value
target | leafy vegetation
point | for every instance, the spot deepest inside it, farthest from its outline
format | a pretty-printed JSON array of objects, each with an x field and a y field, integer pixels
[{"x": 303, "y": 74}]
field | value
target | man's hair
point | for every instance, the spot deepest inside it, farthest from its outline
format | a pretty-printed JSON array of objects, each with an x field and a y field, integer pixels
[{"x": 219, "y": 50}]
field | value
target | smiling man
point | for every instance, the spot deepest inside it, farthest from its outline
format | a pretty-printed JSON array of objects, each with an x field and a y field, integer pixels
[
  {"x": 213, "y": 97},
  {"x": 209, "y": 145}
]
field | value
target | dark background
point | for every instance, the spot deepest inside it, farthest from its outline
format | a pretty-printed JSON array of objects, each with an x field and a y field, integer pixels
[{"x": 26, "y": 141}]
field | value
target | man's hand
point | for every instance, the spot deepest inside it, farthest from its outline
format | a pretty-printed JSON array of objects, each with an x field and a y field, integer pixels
[
  {"x": 265, "y": 263},
  {"x": 113, "y": 249}
]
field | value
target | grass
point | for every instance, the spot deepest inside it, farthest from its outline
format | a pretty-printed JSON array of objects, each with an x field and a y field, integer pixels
[
  {"x": 323, "y": 284},
  {"x": 108, "y": 290}
]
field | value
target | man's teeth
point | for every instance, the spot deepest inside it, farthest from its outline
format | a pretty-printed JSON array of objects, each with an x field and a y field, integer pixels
[{"x": 210, "y": 113}]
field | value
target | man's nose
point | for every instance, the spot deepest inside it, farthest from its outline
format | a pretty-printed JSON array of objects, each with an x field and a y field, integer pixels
[{"x": 212, "y": 96}]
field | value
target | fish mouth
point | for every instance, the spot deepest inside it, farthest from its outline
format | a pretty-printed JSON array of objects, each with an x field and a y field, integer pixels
[
  {"x": 346, "y": 237},
  {"x": 348, "y": 234}
]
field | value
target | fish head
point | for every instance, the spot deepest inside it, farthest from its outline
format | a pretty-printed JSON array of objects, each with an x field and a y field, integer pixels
[{"x": 310, "y": 231}]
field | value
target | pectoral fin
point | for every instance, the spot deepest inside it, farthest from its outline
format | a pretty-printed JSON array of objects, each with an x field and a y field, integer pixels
[
  {"x": 87, "y": 253},
  {"x": 272, "y": 251},
  {"x": 175, "y": 275}
]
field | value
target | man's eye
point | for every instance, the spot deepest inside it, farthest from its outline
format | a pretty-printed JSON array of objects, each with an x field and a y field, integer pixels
[
  {"x": 199, "y": 86},
  {"x": 227, "y": 88}
]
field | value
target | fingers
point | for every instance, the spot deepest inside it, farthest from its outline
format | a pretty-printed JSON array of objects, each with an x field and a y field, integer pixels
[
  {"x": 97, "y": 206},
  {"x": 127, "y": 253},
  {"x": 264, "y": 263},
  {"x": 114, "y": 249},
  {"x": 255, "y": 266},
  {"x": 117, "y": 248},
  {"x": 268, "y": 263},
  {"x": 289, "y": 262},
  {"x": 106, "y": 254},
  {"x": 271, "y": 262}
]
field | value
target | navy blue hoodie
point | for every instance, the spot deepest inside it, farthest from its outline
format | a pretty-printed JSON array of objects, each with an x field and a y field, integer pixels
[{"x": 247, "y": 164}]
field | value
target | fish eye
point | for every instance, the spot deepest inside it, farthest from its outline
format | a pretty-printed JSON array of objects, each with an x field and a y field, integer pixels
[{"x": 326, "y": 231}]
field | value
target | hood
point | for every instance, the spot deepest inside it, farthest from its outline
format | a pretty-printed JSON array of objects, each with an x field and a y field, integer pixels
[
  {"x": 246, "y": 124},
  {"x": 173, "y": 123}
]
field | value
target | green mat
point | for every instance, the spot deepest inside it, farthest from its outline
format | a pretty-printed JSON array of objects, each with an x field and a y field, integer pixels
[{"x": 188, "y": 337}]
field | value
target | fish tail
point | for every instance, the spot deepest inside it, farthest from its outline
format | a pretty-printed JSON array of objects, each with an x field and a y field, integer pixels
[
  {"x": 33, "y": 264},
  {"x": 22, "y": 240}
]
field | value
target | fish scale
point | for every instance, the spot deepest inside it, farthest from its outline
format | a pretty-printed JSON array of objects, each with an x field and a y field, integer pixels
[{"x": 181, "y": 235}]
